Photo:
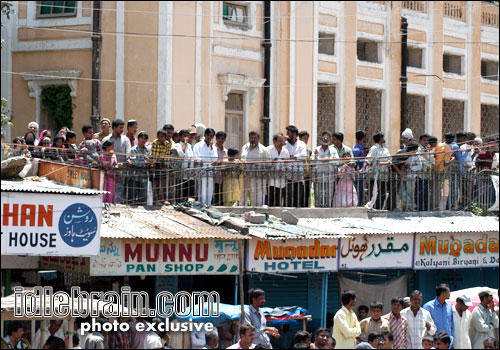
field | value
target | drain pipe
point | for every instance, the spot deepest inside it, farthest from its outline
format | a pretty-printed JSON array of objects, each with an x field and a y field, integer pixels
[
  {"x": 404, "y": 65},
  {"x": 96, "y": 65},
  {"x": 266, "y": 119}
]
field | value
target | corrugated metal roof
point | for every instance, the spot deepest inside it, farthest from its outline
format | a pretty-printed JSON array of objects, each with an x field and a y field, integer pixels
[
  {"x": 41, "y": 185},
  {"x": 403, "y": 225},
  {"x": 277, "y": 230},
  {"x": 129, "y": 222}
]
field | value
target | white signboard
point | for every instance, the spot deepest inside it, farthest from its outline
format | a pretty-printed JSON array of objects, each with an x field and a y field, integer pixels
[
  {"x": 126, "y": 257},
  {"x": 456, "y": 250},
  {"x": 50, "y": 224},
  {"x": 293, "y": 255},
  {"x": 364, "y": 252}
]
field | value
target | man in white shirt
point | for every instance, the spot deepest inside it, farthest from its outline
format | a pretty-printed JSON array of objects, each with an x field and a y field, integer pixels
[
  {"x": 277, "y": 182},
  {"x": 255, "y": 185},
  {"x": 420, "y": 321},
  {"x": 325, "y": 172},
  {"x": 185, "y": 150},
  {"x": 295, "y": 190},
  {"x": 379, "y": 161},
  {"x": 206, "y": 154},
  {"x": 462, "y": 318}
]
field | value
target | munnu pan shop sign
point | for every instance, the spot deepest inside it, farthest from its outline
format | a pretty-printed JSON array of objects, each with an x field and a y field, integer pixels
[
  {"x": 125, "y": 257},
  {"x": 50, "y": 224}
]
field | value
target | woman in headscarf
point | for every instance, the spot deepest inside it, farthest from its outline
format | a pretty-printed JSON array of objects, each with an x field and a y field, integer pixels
[{"x": 45, "y": 133}]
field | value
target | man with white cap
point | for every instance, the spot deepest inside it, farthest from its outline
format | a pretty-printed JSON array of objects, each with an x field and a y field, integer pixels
[
  {"x": 484, "y": 320},
  {"x": 462, "y": 318},
  {"x": 406, "y": 137}
]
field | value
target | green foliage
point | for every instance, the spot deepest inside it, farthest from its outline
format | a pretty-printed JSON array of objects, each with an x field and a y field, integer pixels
[
  {"x": 58, "y": 101},
  {"x": 7, "y": 9},
  {"x": 6, "y": 118},
  {"x": 480, "y": 212}
]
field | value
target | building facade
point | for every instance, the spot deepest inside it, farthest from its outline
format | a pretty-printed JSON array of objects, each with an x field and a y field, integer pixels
[{"x": 333, "y": 65}]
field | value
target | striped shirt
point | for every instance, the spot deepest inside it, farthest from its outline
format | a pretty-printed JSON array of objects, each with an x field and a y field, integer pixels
[{"x": 399, "y": 329}]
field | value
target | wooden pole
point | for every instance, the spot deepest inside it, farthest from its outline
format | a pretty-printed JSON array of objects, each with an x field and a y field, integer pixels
[{"x": 242, "y": 271}]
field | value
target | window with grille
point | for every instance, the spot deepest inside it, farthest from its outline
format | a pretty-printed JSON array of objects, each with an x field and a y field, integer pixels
[
  {"x": 415, "y": 57},
  {"x": 234, "y": 14},
  {"x": 415, "y": 114},
  {"x": 368, "y": 50},
  {"x": 453, "y": 116},
  {"x": 489, "y": 70},
  {"x": 326, "y": 44},
  {"x": 234, "y": 120},
  {"x": 50, "y": 9},
  {"x": 489, "y": 120},
  {"x": 452, "y": 64},
  {"x": 326, "y": 110},
  {"x": 369, "y": 112}
]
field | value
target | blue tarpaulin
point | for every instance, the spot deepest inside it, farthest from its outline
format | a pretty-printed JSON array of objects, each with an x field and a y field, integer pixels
[{"x": 229, "y": 313}]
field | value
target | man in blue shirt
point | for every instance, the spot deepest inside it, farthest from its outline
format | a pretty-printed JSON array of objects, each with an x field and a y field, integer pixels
[
  {"x": 359, "y": 152},
  {"x": 442, "y": 311}
]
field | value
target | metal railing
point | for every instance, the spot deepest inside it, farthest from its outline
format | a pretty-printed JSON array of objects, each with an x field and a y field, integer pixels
[{"x": 317, "y": 184}]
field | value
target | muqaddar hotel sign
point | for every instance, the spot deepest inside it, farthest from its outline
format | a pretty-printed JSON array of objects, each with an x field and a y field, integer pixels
[
  {"x": 293, "y": 256},
  {"x": 456, "y": 250}
]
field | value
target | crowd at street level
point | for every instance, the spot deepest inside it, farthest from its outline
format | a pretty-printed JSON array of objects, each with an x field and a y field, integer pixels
[
  {"x": 187, "y": 163},
  {"x": 435, "y": 325}
]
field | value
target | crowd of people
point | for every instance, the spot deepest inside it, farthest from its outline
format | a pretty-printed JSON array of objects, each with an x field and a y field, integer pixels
[
  {"x": 194, "y": 163},
  {"x": 436, "y": 325}
]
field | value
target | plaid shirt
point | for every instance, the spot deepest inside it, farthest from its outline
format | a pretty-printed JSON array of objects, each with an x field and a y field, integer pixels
[
  {"x": 399, "y": 328},
  {"x": 416, "y": 327},
  {"x": 158, "y": 150},
  {"x": 120, "y": 340}
]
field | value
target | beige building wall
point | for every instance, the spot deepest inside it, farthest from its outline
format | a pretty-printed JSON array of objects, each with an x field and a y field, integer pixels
[{"x": 132, "y": 65}]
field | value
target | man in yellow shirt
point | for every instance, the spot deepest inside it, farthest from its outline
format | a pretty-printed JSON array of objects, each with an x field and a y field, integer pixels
[{"x": 346, "y": 326}]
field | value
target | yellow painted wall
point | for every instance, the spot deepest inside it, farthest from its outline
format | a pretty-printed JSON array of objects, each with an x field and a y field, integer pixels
[
  {"x": 456, "y": 84},
  {"x": 304, "y": 29},
  {"x": 370, "y": 27},
  {"x": 475, "y": 75},
  {"x": 349, "y": 73},
  {"x": 328, "y": 67},
  {"x": 141, "y": 64},
  {"x": 327, "y": 20},
  {"x": 454, "y": 41},
  {"x": 108, "y": 65},
  {"x": 414, "y": 78},
  {"x": 437, "y": 112},
  {"x": 184, "y": 65},
  {"x": 62, "y": 33},
  {"x": 370, "y": 72},
  {"x": 24, "y": 106},
  {"x": 394, "y": 88},
  {"x": 283, "y": 67}
]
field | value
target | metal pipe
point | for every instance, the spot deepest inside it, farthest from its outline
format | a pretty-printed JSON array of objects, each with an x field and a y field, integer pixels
[
  {"x": 404, "y": 64},
  {"x": 266, "y": 119},
  {"x": 96, "y": 65}
]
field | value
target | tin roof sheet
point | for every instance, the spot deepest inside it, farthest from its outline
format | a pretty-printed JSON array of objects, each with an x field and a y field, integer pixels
[
  {"x": 143, "y": 223},
  {"x": 403, "y": 225},
  {"x": 41, "y": 185},
  {"x": 277, "y": 230}
]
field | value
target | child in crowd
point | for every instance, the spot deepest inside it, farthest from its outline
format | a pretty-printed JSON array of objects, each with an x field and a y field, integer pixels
[
  {"x": 346, "y": 194},
  {"x": 108, "y": 162},
  {"x": 427, "y": 342},
  {"x": 232, "y": 179}
]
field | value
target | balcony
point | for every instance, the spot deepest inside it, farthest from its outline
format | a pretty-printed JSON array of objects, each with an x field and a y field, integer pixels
[
  {"x": 418, "y": 6},
  {"x": 456, "y": 10},
  {"x": 489, "y": 15}
]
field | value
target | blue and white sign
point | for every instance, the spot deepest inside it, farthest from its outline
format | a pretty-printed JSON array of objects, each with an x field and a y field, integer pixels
[
  {"x": 78, "y": 225},
  {"x": 50, "y": 224}
]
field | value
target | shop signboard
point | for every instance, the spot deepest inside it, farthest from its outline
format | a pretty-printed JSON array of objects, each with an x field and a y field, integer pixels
[
  {"x": 128, "y": 257},
  {"x": 292, "y": 256},
  {"x": 65, "y": 264},
  {"x": 456, "y": 250},
  {"x": 376, "y": 252},
  {"x": 50, "y": 224}
]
